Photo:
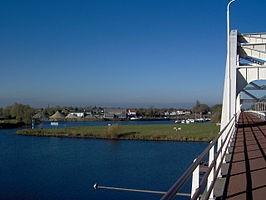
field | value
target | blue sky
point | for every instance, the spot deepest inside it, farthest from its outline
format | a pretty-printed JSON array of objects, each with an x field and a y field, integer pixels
[{"x": 118, "y": 53}]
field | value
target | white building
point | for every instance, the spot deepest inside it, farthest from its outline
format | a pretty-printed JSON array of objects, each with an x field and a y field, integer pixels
[
  {"x": 77, "y": 114},
  {"x": 131, "y": 113}
]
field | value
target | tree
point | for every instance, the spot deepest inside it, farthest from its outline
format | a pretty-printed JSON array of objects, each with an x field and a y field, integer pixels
[
  {"x": 216, "y": 111},
  {"x": 6, "y": 112},
  {"x": 140, "y": 112},
  {"x": 1, "y": 112},
  {"x": 20, "y": 112},
  {"x": 200, "y": 108}
]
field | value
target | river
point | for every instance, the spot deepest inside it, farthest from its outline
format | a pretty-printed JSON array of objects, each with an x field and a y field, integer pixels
[{"x": 66, "y": 168}]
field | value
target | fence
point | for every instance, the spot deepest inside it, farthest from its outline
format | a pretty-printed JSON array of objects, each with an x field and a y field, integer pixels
[{"x": 215, "y": 154}]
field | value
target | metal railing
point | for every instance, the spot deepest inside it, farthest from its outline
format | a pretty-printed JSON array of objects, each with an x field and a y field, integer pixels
[{"x": 216, "y": 151}]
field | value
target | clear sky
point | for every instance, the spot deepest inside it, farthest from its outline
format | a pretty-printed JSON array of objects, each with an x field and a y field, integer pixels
[{"x": 118, "y": 52}]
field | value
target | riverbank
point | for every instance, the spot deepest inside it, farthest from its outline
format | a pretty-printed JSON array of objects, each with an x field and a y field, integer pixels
[
  {"x": 190, "y": 132},
  {"x": 9, "y": 124}
]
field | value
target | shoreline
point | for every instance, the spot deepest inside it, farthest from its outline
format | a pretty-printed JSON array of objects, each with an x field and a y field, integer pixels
[
  {"x": 187, "y": 133},
  {"x": 116, "y": 139},
  {"x": 12, "y": 125}
]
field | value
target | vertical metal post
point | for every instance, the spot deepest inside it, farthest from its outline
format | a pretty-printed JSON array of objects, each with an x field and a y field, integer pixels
[
  {"x": 219, "y": 158},
  {"x": 211, "y": 175},
  {"x": 226, "y": 150},
  {"x": 228, "y": 58},
  {"x": 195, "y": 180}
]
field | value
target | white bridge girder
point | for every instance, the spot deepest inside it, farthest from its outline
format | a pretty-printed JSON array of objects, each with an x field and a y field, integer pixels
[{"x": 246, "y": 62}]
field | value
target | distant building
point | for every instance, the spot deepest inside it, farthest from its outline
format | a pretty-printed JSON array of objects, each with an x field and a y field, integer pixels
[
  {"x": 88, "y": 113},
  {"x": 131, "y": 113},
  {"x": 183, "y": 112},
  {"x": 65, "y": 111},
  {"x": 57, "y": 116},
  {"x": 177, "y": 112},
  {"x": 114, "y": 113},
  {"x": 39, "y": 116},
  {"x": 77, "y": 114},
  {"x": 71, "y": 116},
  {"x": 172, "y": 113}
]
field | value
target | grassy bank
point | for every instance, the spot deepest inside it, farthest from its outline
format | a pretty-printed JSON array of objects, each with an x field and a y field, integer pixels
[{"x": 191, "y": 132}]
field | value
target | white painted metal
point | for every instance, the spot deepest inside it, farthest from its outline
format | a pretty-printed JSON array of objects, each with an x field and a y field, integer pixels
[
  {"x": 216, "y": 158},
  {"x": 246, "y": 62},
  {"x": 229, "y": 97},
  {"x": 195, "y": 180},
  {"x": 211, "y": 175}
]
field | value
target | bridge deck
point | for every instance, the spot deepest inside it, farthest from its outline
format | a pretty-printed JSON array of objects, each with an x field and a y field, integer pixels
[{"x": 247, "y": 171}]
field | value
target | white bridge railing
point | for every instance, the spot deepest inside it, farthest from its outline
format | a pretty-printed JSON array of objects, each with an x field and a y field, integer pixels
[{"x": 202, "y": 187}]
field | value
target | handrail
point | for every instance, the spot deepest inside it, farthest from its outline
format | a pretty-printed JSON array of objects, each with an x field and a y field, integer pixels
[
  {"x": 188, "y": 173},
  {"x": 204, "y": 179}
]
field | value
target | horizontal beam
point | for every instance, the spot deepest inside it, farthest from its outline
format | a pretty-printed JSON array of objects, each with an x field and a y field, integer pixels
[
  {"x": 250, "y": 66},
  {"x": 251, "y": 34},
  {"x": 248, "y": 100},
  {"x": 253, "y": 86},
  {"x": 251, "y": 44},
  {"x": 250, "y": 95},
  {"x": 251, "y": 49},
  {"x": 253, "y": 59}
]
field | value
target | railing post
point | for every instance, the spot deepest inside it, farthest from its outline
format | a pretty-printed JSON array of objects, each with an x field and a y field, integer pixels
[
  {"x": 219, "y": 158},
  {"x": 195, "y": 180},
  {"x": 231, "y": 137},
  {"x": 211, "y": 175}
]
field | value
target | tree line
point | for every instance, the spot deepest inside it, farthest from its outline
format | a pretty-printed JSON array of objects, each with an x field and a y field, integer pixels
[
  {"x": 19, "y": 112},
  {"x": 24, "y": 113}
]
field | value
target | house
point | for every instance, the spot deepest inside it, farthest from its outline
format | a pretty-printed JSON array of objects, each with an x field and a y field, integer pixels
[
  {"x": 172, "y": 113},
  {"x": 78, "y": 114},
  {"x": 114, "y": 113},
  {"x": 57, "y": 116},
  {"x": 183, "y": 112},
  {"x": 131, "y": 113},
  {"x": 166, "y": 113},
  {"x": 71, "y": 116}
]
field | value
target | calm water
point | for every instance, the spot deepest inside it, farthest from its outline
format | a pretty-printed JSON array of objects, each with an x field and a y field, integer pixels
[{"x": 62, "y": 168}]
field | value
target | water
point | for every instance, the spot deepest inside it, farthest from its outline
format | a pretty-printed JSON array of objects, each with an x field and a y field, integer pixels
[{"x": 66, "y": 168}]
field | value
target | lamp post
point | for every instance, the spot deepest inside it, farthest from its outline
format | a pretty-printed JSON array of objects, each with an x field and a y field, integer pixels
[
  {"x": 228, "y": 22},
  {"x": 228, "y": 57}
]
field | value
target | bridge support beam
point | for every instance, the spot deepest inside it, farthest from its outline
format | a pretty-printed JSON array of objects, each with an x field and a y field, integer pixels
[
  {"x": 229, "y": 95},
  {"x": 245, "y": 63}
]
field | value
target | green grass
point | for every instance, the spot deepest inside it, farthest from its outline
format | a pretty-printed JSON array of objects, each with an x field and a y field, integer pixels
[{"x": 190, "y": 132}]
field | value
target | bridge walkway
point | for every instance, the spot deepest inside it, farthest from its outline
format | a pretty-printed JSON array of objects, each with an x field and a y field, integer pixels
[{"x": 246, "y": 179}]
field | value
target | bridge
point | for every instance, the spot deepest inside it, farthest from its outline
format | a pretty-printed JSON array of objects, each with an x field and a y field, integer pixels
[
  {"x": 236, "y": 165},
  {"x": 233, "y": 165}
]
